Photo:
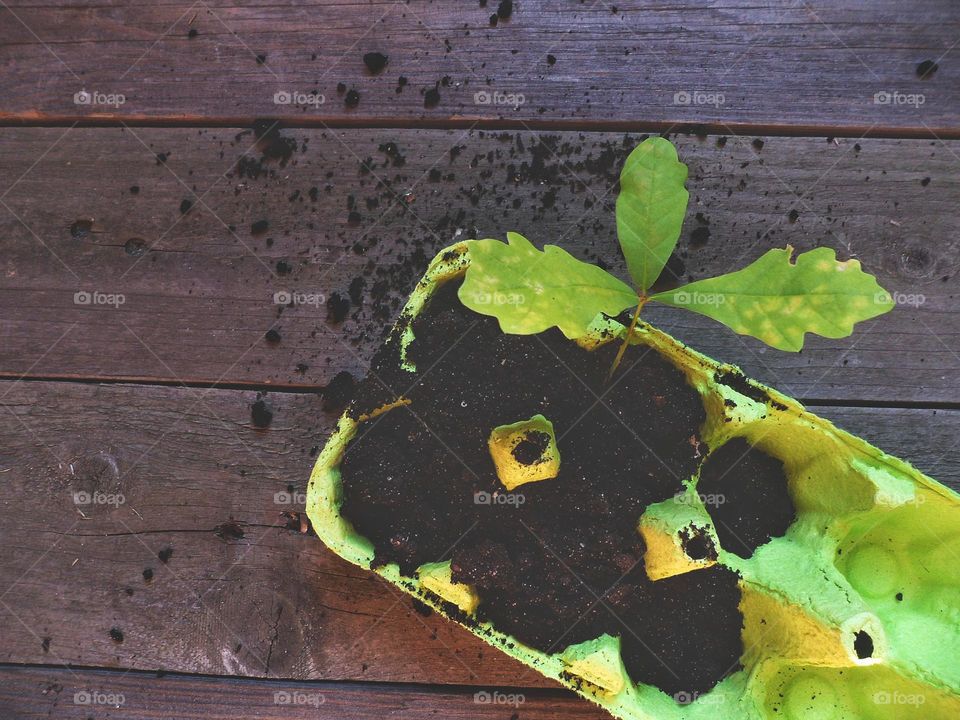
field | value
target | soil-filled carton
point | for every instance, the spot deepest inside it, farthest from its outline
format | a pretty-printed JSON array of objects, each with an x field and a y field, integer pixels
[{"x": 677, "y": 542}]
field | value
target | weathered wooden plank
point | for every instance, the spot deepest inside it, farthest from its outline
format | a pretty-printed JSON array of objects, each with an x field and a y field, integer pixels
[
  {"x": 786, "y": 64},
  {"x": 925, "y": 438},
  {"x": 27, "y": 693},
  {"x": 366, "y": 209},
  {"x": 239, "y": 594}
]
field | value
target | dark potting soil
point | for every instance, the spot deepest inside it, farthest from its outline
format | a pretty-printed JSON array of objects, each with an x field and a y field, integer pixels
[
  {"x": 557, "y": 561},
  {"x": 756, "y": 503},
  {"x": 740, "y": 383},
  {"x": 529, "y": 451},
  {"x": 863, "y": 644},
  {"x": 697, "y": 544},
  {"x": 338, "y": 392},
  {"x": 375, "y": 62}
]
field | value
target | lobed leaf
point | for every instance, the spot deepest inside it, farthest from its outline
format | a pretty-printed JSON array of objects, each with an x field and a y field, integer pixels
[
  {"x": 650, "y": 208},
  {"x": 529, "y": 290},
  {"x": 779, "y": 301}
]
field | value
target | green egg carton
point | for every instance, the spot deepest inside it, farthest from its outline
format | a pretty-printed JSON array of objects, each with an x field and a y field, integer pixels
[{"x": 869, "y": 527}]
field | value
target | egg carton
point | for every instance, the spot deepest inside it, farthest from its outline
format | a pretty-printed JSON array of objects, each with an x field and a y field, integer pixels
[{"x": 853, "y": 614}]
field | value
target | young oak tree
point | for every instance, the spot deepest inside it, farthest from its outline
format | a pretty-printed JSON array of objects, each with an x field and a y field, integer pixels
[{"x": 777, "y": 299}]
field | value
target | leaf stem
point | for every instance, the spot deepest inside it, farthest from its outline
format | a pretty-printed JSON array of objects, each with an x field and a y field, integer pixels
[{"x": 642, "y": 300}]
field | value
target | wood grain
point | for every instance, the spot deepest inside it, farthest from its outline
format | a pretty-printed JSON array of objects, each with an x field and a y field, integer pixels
[
  {"x": 158, "y": 239},
  {"x": 27, "y": 693},
  {"x": 787, "y": 65},
  {"x": 240, "y": 594},
  {"x": 372, "y": 206}
]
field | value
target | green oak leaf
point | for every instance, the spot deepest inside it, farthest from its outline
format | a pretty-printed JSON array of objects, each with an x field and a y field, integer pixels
[
  {"x": 650, "y": 208},
  {"x": 529, "y": 290},
  {"x": 777, "y": 301}
]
